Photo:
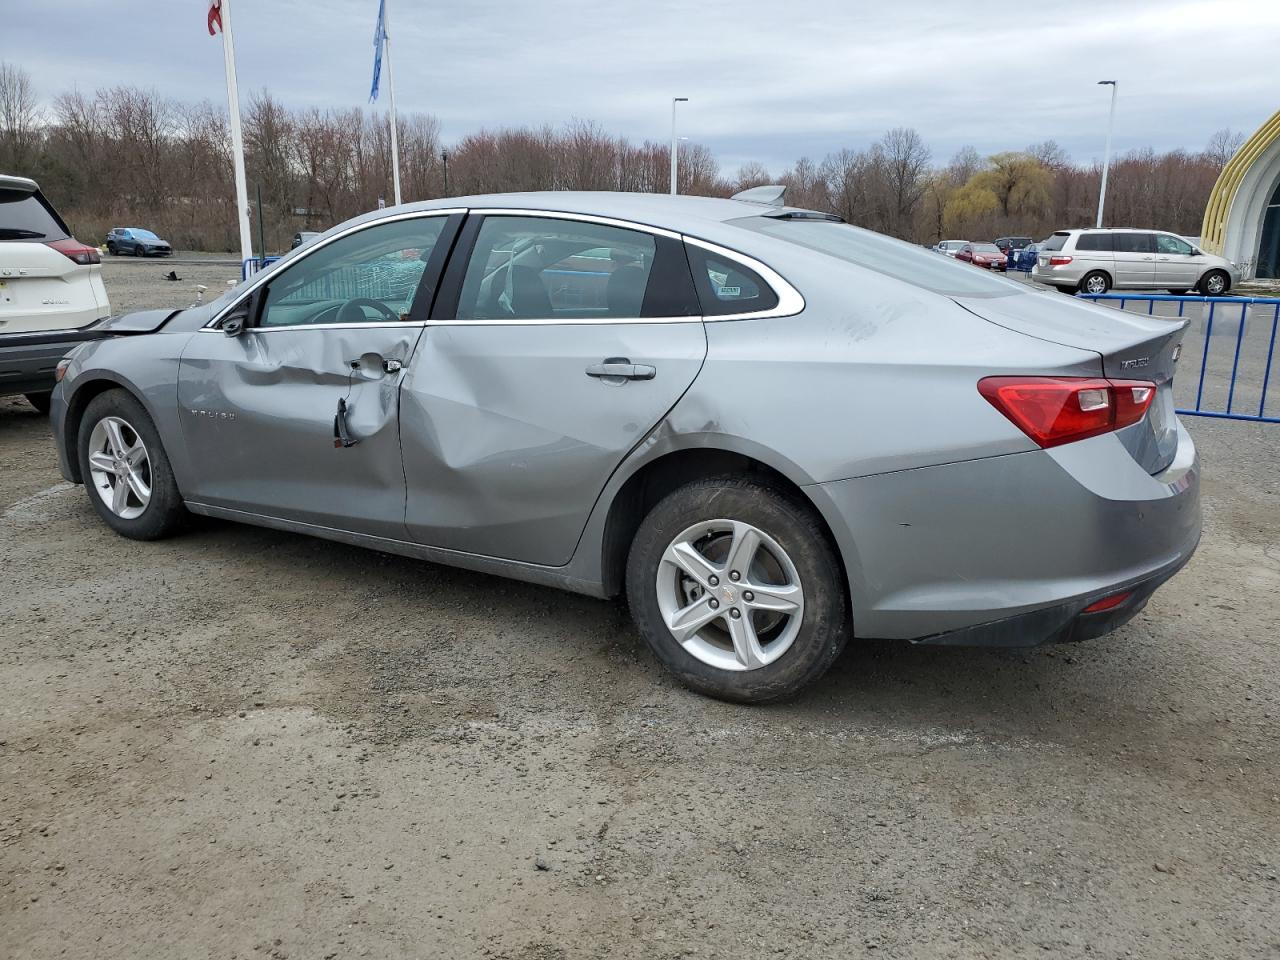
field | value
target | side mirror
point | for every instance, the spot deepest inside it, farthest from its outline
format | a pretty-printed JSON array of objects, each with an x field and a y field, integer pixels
[{"x": 234, "y": 325}]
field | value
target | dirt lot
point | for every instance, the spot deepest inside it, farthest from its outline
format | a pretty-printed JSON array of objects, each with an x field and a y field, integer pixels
[{"x": 243, "y": 743}]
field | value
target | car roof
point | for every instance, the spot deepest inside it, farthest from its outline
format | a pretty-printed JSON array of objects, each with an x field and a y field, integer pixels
[{"x": 663, "y": 210}]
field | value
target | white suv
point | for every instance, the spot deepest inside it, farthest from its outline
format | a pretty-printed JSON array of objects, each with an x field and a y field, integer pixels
[
  {"x": 1094, "y": 261},
  {"x": 51, "y": 290}
]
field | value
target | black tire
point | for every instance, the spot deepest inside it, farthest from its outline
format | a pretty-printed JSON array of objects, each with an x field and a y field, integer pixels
[
  {"x": 164, "y": 514},
  {"x": 1178, "y": 293},
  {"x": 1091, "y": 278},
  {"x": 138, "y": 251},
  {"x": 40, "y": 401},
  {"x": 795, "y": 528},
  {"x": 111, "y": 249},
  {"x": 1211, "y": 279}
]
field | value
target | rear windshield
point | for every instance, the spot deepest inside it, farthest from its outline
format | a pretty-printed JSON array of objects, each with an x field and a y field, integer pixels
[
  {"x": 25, "y": 216},
  {"x": 893, "y": 258},
  {"x": 1056, "y": 242}
]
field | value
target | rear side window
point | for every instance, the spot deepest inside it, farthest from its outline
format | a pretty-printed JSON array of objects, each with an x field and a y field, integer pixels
[
  {"x": 1055, "y": 242},
  {"x": 726, "y": 287},
  {"x": 1094, "y": 241},
  {"x": 1135, "y": 243},
  {"x": 545, "y": 268},
  {"x": 28, "y": 216}
]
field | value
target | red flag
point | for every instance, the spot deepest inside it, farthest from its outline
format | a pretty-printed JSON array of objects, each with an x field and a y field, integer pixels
[{"x": 215, "y": 16}]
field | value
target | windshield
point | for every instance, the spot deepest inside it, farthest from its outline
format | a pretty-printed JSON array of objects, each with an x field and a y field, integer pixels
[
  {"x": 893, "y": 258},
  {"x": 143, "y": 234}
]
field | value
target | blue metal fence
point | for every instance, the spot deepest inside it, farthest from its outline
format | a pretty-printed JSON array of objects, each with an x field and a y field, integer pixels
[
  {"x": 1255, "y": 326},
  {"x": 251, "y": 266}
]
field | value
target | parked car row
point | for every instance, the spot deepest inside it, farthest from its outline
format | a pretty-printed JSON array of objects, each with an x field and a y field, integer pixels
[{"x": 1097, "y": 260}]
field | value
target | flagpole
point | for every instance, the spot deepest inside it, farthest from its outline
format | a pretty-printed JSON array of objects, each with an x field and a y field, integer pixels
[
  {"x": 391, "y": 84},
  {"x": 237, "y": 136}
]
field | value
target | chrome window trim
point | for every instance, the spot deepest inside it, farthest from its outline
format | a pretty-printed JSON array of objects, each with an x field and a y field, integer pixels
[
  {"x": 790, "y": 301},
  {"x": 582, "y": 217},
  {"x": 561, "y": 321},
  {"x": 265, "y": 274},
  {"x": 372, "y": 325}
]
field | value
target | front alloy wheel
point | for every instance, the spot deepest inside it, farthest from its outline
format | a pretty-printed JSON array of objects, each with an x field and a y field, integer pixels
[
  {"x": 123, "y": 462},
  {"x": 119, "y": 467}
]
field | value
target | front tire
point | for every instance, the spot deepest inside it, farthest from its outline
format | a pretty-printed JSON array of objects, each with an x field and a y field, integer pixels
[
  {"x": 736, "y": 588},
  {"x": 125, "y": 469},
  {"x": 1215, "y": 283},
  {"x": 138, "y": 251},
  {"x": 1096, "y": 282}
]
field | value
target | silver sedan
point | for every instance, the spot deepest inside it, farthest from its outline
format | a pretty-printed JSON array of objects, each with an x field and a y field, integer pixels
[{"x": 770, "y": 430}]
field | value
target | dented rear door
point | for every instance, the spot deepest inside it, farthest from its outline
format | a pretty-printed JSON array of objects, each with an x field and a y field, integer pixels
[{"x": 555, "y": 348}]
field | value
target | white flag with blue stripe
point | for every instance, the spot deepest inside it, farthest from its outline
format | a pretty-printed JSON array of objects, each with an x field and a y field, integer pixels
[{"x": 379, "y": 39}]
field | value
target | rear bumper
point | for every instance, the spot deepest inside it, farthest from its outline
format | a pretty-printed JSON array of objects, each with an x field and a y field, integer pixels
[
  {"x": 27, "y": 361},
  {"x": 1010, "y": 550}
]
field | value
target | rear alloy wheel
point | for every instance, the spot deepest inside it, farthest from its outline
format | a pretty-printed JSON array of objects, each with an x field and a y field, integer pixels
[
  {"x": 124, "y": 467},
  {"x": 1215, "y": 283},
  {"x": 1095, "y": 282},
  {"x": 737, "y": 590}
]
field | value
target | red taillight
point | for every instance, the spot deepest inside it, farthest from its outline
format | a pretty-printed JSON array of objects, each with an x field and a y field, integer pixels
[
  {"x": 1057, "y": 410},
  {"x": 73, "y": 249},
  {"x": 1108, "y": 603},
  {"x": 1059, "y": 261}
]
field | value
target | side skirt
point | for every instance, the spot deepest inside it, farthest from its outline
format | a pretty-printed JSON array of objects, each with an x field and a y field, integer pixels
[{"x": 511, "y": 569}]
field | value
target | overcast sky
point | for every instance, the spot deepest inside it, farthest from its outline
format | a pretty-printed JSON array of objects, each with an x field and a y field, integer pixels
[{"x": 766, "y": 80}]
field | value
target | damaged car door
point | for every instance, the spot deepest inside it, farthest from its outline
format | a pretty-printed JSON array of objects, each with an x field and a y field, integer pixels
[
  {"x": 290, "y": 406},
  {"x": 556, "y": 344}
]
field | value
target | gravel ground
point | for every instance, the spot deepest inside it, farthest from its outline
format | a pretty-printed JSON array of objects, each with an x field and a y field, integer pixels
[{"x": 243, "y": 743}]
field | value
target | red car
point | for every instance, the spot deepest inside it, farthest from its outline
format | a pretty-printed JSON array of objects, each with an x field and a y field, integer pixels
[{"x": 983, "y": 255}]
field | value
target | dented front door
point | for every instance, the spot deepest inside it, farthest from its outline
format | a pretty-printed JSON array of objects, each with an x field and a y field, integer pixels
[
  {"x": 297, "y": 416},
  {"x": 258, "y": 415}
]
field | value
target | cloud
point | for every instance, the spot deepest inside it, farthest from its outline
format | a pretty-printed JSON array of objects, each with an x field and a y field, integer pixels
[{"x": 766, "y": 81}]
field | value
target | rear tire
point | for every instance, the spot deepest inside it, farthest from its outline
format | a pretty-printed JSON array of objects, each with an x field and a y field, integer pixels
[
  {"x": 762, "y": 633},
  {"x": 111, "y": 249},
  {"x": 1215, "y": 283},
  {"x": 119, "y": 445},
  {"x": 40, "y": 401},
  {"x": 1095, "y": 282}
]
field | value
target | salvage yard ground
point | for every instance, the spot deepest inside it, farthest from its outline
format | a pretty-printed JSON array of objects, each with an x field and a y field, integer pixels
[{"x": 244, "y": 743}]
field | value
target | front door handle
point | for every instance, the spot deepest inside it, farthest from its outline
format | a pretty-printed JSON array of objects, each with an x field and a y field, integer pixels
[{"x": 618, "y": 369}]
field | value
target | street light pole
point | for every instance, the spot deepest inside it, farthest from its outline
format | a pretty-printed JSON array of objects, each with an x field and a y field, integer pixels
[
  {"x": 1106, "y": 157},
  {"x": 674, "y": 101}
]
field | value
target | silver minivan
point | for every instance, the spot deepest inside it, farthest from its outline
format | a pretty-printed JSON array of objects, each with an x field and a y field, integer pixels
[{"x": 1094, "y": 261}]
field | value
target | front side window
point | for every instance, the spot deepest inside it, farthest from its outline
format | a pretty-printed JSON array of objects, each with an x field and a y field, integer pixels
[
  {"x": 1170, "y": 244},
  {"x": 542, "y": 268},
  {"x": 371, "y": 276},
  {"x": 1134, "y": 243}
]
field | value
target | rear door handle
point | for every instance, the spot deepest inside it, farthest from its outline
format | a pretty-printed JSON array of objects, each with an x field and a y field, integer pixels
[{"x": 620, "y": 368}]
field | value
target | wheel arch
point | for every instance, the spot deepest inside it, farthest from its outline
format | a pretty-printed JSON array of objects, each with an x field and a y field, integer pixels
[
  {"x": 1109, "y": 274},
  {"x": 656, "y": 476},
  {"x": 86, "y": 388}
]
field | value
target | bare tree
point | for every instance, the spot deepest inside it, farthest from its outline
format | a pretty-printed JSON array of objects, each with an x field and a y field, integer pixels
[
  {"x": 1223, "y": 146},
  {"x": 19, "y": 118}
]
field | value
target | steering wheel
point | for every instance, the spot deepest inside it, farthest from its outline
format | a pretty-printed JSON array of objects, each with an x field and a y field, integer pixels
[{"x": 351, "y": 312}]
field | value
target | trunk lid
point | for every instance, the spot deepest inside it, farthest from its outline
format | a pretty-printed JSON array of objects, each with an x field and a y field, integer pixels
[{"x": 1129, "y": 347}]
